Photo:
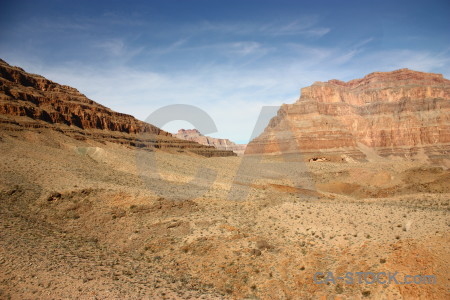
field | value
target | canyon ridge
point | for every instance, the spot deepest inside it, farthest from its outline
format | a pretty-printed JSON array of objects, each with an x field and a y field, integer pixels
[
  {"x": 402, "y": 113},
  {"x": 31, "y": 101},
  {"x": 221, "y": 144}
]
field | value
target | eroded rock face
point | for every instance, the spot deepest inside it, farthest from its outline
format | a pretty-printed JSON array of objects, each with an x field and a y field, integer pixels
[
  {"x": 403, "y": 112},
  {"x": 221, "y": 144},
  {"x": 32, "y": 101}
]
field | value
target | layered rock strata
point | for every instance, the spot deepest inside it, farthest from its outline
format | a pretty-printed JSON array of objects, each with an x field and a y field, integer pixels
[
  {"x": 29, "y": 101},
  {"x": 402, "y": 113},
  {"x": 221, "y": 144}
]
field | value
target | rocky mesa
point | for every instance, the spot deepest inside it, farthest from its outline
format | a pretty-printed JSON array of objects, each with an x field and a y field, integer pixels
[
  {"x": 31, "y": 101},
  {"x": 401, "y": 113},
  {"x": 221, "y": 144}
]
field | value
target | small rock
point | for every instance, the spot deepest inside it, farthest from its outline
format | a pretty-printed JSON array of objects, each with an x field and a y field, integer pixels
[
  {"x": 174, "y": 224},
  {"x": 366, "y": 293},
  {"x": 262, "y": 244},
  {"x": 255, "y": 252},
  {"x": 54, "y": 196}
]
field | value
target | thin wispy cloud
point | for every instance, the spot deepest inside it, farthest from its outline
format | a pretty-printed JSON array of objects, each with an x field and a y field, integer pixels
[
  {"x": 363, "y": 43},
  {"x": 245, "y": 48},
  {"x": 425, "y": 61},
  {"x": 114, "y": 47},
  {"x": 306, "y": 26},
  {"x": 56, "y": 25}
]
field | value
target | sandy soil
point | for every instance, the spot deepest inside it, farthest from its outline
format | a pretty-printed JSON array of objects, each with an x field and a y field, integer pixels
[{"x": 90, "y": 220}]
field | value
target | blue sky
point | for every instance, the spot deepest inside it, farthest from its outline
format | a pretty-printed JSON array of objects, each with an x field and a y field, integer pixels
[{"x": 229, "y": 58}]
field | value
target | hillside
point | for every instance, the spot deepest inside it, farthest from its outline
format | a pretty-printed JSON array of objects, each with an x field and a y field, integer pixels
[
  {"x": 402, "y": 113},
  {"x": 32, "y": 101}
]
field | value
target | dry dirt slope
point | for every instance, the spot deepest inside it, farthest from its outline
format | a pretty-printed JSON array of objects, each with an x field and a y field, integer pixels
[{"x": 84, "y": 219}]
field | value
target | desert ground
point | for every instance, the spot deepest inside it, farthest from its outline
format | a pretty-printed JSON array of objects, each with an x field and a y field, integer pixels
[{"x": 92, "y": 220}]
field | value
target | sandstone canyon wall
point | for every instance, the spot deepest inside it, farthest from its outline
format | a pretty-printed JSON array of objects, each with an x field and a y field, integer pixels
[
  {"x": 221, "y": 144},
  {"x": 29, "y": 101},
  {"x": 401, "y": 113}
]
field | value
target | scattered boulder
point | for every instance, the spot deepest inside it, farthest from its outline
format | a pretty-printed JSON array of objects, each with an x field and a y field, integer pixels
[
  {"x": 255, "y": 252},
  {"x": 263, "y": 245},
  {"x": 318, "y": 159},
  {"x": 54, "y": 196}
]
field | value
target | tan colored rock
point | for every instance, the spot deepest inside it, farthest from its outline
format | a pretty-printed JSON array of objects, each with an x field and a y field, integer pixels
[
  {"x": 221, "y": 144},
  {"x": 403, "y": 113}
]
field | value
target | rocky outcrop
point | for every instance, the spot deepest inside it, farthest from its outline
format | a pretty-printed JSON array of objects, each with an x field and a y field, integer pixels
[
  {"x": 402, "y": 113},
  {"x": 32, "y": 101},
  {"x": 221, "y": 144}
]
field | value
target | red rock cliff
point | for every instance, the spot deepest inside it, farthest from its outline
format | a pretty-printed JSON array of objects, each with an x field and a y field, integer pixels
[
  {"x": 392, "y": 112},
  {"x": 33, "y": 101}
]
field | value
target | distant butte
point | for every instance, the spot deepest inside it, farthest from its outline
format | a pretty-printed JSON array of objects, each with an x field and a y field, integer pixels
[{"x": 221, "y": 144}]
